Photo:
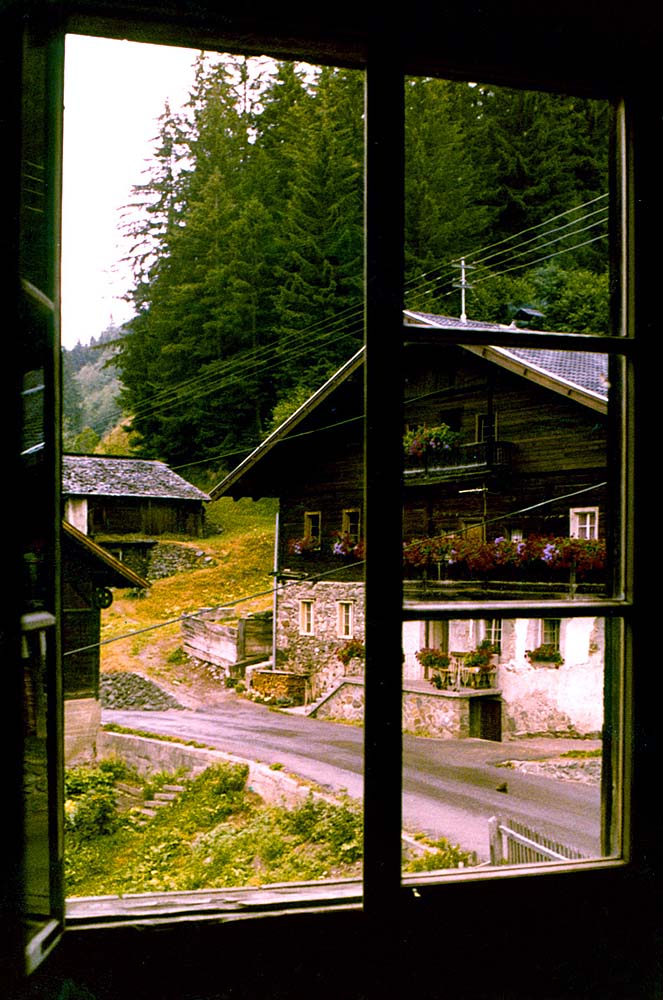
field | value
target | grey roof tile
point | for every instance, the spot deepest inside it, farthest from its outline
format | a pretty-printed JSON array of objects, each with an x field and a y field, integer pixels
[{"x": 97, "y": 475}]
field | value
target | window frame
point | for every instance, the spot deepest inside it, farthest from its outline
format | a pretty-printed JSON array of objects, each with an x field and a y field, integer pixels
[
  {"x": 313, "y": 520},
  {"x": 345, "y": 619},
  {"x": 574, "y": 522},
  {"x": 623, "y": 608},
  {"x": 346, "y": 526},
  {"x": 306, "y": 616}
]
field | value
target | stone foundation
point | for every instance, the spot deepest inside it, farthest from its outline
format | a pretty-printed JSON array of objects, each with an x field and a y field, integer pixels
[
  {"x": 82, "y": 718},
  {"x": 280, "y": 684},
  {"x": 438, "y": 714}
]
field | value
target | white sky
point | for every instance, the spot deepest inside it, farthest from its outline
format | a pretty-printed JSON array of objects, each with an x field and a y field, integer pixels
[{"x": 114, "y": 93}]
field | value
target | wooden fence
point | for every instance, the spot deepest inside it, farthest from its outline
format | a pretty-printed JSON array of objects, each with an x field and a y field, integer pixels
[{"x": 513, "y": 843}]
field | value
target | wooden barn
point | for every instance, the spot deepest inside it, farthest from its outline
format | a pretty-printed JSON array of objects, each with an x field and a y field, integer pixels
[{"x": 111, "y": 496}]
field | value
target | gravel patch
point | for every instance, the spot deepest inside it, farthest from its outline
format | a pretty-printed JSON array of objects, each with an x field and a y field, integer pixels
[
  {"x": 588, "y": 771},
  {"x": 128, "y": 690}
]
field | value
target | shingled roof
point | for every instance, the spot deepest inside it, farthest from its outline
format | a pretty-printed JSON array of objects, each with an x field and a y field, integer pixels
[
  {"x": 578, "y": 375},
  {"x": 106, "y": 475},
  {"x": 568, "y": 372}
]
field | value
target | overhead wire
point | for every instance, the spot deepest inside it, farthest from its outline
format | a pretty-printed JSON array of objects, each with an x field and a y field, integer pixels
[{"x": 315, "y": 577}]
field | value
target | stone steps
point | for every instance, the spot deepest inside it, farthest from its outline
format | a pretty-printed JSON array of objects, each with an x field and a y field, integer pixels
[{"x": 131, "y": 797}]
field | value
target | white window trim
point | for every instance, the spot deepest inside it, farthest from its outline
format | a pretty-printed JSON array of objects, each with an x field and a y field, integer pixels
[
  {"x": 341, "y": 608},
  {"x": 306, "y": 617},
  {"x": 574, "y": 521}
]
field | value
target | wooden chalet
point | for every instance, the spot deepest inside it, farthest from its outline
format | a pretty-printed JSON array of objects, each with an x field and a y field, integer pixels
[
  {"x": 111, "y": 496},
  {"x": 510, "y": 502}
]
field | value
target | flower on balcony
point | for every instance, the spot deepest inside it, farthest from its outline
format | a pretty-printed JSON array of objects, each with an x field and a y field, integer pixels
[
  {"x": 482, "y": 656},
  {"x": 425, "y": 442},
  {"x": 581, "y": 554},
  {"x": 303, "y": 546},
  {"x": 345, "y": 546},
  {"x": 429, "y": 657}
]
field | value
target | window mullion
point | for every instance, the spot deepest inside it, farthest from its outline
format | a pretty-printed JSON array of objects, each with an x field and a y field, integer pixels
[{"x": 383, "y": 501}]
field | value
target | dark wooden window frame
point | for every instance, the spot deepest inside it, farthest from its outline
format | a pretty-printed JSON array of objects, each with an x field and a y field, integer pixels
[{"x": 385, "y": 57}]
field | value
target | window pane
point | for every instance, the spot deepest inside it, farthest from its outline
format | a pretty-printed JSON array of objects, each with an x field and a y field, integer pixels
[
  {"x": 500, "y": 519},
  {"x": 506, "y": 207},
  {"x": 509, "y": 739},
  {"x": 511, "y": 474},
  {"x": 240, "y": 366}
]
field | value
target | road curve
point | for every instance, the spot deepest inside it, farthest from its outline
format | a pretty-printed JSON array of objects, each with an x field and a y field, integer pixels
[{"x": 450, "y": 787}]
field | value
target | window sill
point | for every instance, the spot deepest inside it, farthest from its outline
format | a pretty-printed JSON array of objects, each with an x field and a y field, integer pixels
[{"x": 91, "y": 912}]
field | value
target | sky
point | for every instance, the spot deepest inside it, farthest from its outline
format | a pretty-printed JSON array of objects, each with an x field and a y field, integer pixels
[{"x": 114, "y": 93}]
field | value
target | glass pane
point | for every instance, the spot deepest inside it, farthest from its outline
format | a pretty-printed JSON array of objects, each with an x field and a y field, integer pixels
[
  {"x": 506, "y": 733},
  {"x": 507, "y": 207},
  {"x": 215, "y": 598},
  {"x": 37, "y": 530},
  {"x": 524, "y": 512}
]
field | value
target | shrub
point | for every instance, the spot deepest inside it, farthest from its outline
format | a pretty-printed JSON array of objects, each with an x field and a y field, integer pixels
[
  {"x": 352, "y": 649},
  {"x": 429, "y": 657},
  {"x": 545, "y": 653}
]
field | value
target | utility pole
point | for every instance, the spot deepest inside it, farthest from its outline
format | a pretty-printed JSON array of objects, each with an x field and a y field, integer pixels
[{"x": 463, "y": 285}]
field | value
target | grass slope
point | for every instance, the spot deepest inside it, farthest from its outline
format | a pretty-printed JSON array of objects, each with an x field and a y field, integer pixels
[{"x": 242, "y": 548}]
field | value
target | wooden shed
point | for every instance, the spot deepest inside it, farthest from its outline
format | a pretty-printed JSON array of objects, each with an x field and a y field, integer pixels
[{"x": 106, "y": 495}]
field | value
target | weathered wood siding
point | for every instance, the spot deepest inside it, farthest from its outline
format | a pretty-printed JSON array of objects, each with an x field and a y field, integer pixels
[
  {"x": 145, "y": 516},
  {"x": 227, "y": 644}
]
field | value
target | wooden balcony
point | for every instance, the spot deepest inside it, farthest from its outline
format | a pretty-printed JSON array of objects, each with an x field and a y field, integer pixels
[{"x": 459, "y": 460}]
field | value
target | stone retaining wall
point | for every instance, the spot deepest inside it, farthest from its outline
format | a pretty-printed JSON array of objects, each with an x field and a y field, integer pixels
[
  {"x": 280, "y": 684},
  {"x": 151, "y": 756},
  {"x": 440, "y": 714}
]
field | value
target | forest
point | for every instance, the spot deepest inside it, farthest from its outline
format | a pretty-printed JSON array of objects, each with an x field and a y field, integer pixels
[{"x": 247, "y": 239}]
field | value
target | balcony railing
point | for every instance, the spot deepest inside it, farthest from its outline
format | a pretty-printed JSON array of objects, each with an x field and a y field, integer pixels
[{"x": 459, "y": 459}]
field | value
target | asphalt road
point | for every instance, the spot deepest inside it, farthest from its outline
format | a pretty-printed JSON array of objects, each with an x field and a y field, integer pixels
[{"x": 449, "y": 786}]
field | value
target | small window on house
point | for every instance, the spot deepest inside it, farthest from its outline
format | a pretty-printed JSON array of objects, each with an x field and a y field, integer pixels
[
  {"x": 486, "y": 426},
  {"x": 489, "y": 629},
  {"x": 551, "y": 633},
  {"x": 312, "y": 526},
  {"x": 306, "y": 617},
  {"x": 352, "y": 524},
  {"x": 584, "y": 522},
  {"x": 345, "y": 619}
]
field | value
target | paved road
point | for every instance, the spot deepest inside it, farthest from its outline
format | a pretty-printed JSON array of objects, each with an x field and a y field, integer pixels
[{"x": 449, "y": 786}]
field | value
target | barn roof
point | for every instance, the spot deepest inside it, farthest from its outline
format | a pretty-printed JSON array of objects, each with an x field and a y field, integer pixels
[{"x": 107, "y": 475}]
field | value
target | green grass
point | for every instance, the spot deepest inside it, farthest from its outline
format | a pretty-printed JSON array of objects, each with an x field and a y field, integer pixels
[
  {"x": 240, "y": 543},
  {"x": 217, "y": 834}
]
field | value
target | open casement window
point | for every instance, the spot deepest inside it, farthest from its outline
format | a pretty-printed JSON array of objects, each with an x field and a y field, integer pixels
[
  {"x": 384, "y": 894},
  {"x": 38, "y": 814}
]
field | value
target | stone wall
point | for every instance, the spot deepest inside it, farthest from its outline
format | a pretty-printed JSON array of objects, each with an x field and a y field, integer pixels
[
  {"x": 151, "y": 756},
  {"x": 317, "y": 654},
  {"x": 439, "y": 714},
  {"x": 82, "y": 718},
  {"x": 281, "y": 685}
]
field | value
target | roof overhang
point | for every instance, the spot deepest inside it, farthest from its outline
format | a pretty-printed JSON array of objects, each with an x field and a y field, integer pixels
[
  {"x": 288, "y": 425},
  {"x": 118, "y": 575}
]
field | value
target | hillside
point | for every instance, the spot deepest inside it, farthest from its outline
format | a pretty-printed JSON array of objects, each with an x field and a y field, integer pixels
[
  {"x": 142, "y": 633},
  {"x": 91, "y": 390}
]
